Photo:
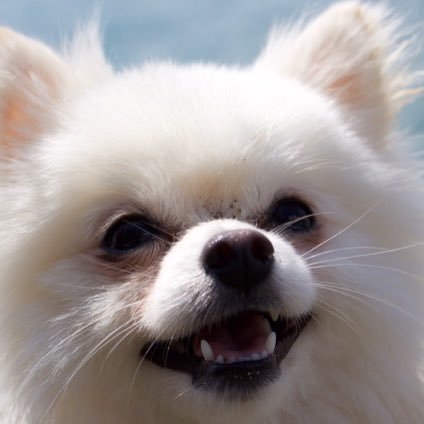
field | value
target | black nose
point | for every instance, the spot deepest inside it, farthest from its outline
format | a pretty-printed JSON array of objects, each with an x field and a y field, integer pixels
[{"x": 239, "y": 258}]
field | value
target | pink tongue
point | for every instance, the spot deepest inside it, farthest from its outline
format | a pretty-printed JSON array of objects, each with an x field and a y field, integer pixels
[{"x": 240, "y": 336}]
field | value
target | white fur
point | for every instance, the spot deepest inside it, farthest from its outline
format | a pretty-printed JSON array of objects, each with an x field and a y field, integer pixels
[{"x": 314, "y": 116}]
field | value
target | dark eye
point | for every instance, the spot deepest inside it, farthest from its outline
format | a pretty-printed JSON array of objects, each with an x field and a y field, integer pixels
[
  {"x": 293, "y": 215},
  {"x": 128, "y": 233}
]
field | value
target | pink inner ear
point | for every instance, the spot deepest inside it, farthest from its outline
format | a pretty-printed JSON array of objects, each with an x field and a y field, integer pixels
[
  {"x": 23, "y": 112},
  {"x": 34, "y": 78},
  {"x": 19, "y": 124},
  {"x": 347, "y": 89}
]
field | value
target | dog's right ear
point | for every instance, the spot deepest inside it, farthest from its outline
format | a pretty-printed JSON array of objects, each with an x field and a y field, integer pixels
[
  {"x": 354, "y": 53},
  {"x": 32, "y": 82}
]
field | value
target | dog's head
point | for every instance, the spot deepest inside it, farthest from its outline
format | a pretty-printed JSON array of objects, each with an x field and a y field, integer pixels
[{"x": 203, "y": 241}]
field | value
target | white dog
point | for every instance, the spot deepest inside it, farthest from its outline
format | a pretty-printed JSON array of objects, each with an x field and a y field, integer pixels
[{"x": 208, "y": 244}]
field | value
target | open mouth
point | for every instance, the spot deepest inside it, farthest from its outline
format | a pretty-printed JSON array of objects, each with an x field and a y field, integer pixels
[{"x": 236, "y": 356}]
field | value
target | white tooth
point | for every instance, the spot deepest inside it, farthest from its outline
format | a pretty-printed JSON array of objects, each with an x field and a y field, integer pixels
[
  {"x": 267, "y": 326},
  {"x": 264, "y": 354},
  {"x": 274, "y": 315},
  {"x": 220, "y": 359},
  {"x": 207, "y": 351},
  {"x": 270, "y": 342},
  {"x": 255, "y": 356}
]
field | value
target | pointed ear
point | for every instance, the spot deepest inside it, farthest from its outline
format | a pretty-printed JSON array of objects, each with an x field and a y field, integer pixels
[
  {"x": 351, "y": 54},
  {"x": 32, "y": 80}
]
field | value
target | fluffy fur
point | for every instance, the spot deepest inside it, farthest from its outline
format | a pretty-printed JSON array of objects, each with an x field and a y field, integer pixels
[{"x": 204, "y": 149}]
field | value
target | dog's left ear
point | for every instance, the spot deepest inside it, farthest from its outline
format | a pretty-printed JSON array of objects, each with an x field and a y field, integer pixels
[
  {"x": 351, "y": 54},
  {"x": 32, "y": 81}
]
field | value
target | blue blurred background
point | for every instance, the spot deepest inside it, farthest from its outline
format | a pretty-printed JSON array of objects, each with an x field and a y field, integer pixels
[{"x": 227, "y": 31}]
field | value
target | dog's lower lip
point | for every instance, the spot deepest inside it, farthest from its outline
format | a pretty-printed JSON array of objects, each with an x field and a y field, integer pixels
[{"x": 240, "y": 375}]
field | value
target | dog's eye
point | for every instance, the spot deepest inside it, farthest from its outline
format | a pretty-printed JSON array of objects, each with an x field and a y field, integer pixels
[
  {"x": 293, "y": 215},
  {"x": 128, "y": 233}
]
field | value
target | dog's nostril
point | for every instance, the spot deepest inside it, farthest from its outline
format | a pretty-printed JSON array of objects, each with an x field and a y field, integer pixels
[
  {"x": 239, "y": 258},
  {"x": 220, "y": 254},
  {"x": 261, "y": 248}
]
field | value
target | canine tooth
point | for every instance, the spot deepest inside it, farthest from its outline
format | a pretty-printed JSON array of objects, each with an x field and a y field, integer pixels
[
  {"x": 207, "y": 351},
  {"x": 274, "y": 315},
  {"x": 270, "y": 342},
  {"x": 220, "y": 359},
  {"x": 264, "y": 354},
  {"x": 255, "y": 356},
  {"x": 267, "y": 326}
]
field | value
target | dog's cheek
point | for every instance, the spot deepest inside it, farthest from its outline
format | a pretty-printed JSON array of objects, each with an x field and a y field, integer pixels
[
  {"x": 176, "y": 295},
  {"x": 102, "y": 294}
]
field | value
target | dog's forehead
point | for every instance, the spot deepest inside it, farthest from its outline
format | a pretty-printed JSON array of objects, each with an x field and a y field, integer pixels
[
  {"x": 203, "y": 110},
  {"x": 168, "y": 108},
  {"x": 179, "y": 135}
]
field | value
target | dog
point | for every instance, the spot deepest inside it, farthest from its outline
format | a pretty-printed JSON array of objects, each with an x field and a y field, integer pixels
[{"x": 211, "y": 244}]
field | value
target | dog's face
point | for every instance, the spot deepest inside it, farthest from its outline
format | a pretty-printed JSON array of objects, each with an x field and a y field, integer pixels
[{"x": 199, "y": 237}]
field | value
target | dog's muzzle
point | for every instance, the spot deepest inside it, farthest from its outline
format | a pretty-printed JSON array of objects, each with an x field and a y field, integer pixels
[{"x": 238, "y": 354}]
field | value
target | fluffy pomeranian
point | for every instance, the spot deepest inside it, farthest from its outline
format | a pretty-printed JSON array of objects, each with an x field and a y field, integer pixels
[{"x": 209, "y": 244}]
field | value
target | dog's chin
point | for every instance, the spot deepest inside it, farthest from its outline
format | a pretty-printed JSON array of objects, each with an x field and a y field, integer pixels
[{"x": 234, "y": 357}]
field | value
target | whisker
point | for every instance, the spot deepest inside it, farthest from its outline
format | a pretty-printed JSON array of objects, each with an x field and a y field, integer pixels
[
  {"x": 153, "y": 234},
  {"x": 346, "y": 228},
  {"x": 92, "y": 322},
  {"x": 341, "y": 249},
  {"x": 398, "y": 249},
  {"x": 350, "y": 291},
  {"x": 339, "y": 314},
  {"x": 279, "y": 229},
  {"x": 191, "y": 389},
  {"x": 168, "y": 348},
  {"x": 129, "y": 269},
  {"x": 151, "y": 345},
  {"x": 111, "y": 336},
  {"x": 335, "y": 264},
  {"x": 126, "y": 333}
]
